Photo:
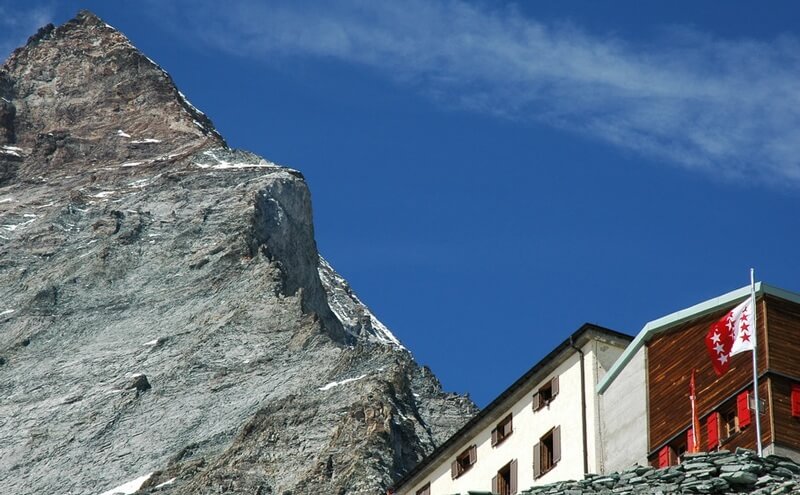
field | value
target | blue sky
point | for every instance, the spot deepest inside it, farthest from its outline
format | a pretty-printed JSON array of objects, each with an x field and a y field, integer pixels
[{"x": 490, "y": 175}]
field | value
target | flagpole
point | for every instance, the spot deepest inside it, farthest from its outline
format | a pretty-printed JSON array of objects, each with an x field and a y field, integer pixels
[{"x": 755, "y": 362}]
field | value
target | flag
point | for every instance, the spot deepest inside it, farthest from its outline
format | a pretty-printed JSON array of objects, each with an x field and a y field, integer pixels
[
  {"x": 729, "y": 336},
  {"x": 695, "y": 438}
]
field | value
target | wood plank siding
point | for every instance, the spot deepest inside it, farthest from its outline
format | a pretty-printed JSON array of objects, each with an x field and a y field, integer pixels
[
  {"x": 672, "y": 355},
  {"x": 783, "y": 328},
  {"x": 787, "y": 428}
]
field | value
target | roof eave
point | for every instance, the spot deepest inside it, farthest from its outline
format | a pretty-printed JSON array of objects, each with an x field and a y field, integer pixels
[{"x": 682, "y": 316}]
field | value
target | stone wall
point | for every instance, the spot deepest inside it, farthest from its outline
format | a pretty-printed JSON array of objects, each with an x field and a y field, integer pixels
[{"x": 707, "y": 473}]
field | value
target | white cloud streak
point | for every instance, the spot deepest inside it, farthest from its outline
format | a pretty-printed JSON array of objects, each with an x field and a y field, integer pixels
[{"x": 730, "y": 108}]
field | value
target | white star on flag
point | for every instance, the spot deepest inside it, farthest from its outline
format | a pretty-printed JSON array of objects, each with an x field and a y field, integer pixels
[{"x": 742, "y": 332}]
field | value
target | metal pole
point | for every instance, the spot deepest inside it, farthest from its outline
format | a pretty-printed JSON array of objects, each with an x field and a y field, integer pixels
[{"x": 755, "y": 362}]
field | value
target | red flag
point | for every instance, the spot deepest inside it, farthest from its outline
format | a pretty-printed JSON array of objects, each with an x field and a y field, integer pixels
[
  {"x": 730, "y": 335},
  {"x": 718, "y": 344}
]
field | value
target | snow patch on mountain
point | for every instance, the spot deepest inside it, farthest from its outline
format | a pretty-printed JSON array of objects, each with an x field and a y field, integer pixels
[{"x": 355, "y": 316}]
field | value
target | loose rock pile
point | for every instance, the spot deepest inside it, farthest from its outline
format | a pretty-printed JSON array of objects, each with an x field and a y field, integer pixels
[{"x": 713, "y": 472}]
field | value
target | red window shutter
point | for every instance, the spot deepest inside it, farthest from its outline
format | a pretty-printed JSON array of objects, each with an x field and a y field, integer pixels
[
  {"x": 513, "y": 469},
  {"x": 712, "y": 430},
  {"x": 473, "y": 455},
  {"x": 743, "y": 408},
  {"x": 494, "y": 437},
  {"x": 554, "y": 386},
  {"x": 537, "y": 460},
  {"x": 796, "y": 400},
  {"x": 663, "y": 456},
  {"x": 454, "y": 469}
]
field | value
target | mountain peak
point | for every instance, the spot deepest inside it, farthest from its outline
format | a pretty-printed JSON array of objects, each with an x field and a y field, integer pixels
[{"x": 74, "y": 91}]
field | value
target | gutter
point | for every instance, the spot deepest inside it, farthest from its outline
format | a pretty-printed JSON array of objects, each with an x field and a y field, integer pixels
[{"x": 583, "y": 406}]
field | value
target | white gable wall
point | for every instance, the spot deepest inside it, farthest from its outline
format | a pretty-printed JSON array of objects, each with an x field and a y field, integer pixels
[{"x": 623, "y": 409}]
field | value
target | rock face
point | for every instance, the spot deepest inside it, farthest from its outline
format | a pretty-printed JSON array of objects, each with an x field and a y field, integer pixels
[{"x": 163, "y": 306}]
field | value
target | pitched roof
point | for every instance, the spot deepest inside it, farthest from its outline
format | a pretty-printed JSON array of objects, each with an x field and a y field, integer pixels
[
  {"x": 671, "y": 320},
  {"x": 477, "y": 421}
]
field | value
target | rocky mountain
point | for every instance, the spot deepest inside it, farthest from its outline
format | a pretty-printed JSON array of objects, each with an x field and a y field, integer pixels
[{"x": 166, "y": 321}]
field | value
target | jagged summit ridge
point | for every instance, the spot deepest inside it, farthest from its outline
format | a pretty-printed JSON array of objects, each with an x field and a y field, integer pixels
[
  {"x": 164, "y": 311},
  {"x": 83, "y": 90}
]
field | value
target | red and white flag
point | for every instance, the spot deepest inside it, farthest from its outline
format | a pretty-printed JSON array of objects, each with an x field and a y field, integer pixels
[{"x": 729, "y": 336}]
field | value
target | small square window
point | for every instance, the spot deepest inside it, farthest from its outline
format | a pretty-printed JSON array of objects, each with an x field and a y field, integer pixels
[
  {"x": 502, "y": 431},
  {"x": 729, "y": 425},
  {"x": 545, "y": 394},
  {"x": 464, "y": 462}
]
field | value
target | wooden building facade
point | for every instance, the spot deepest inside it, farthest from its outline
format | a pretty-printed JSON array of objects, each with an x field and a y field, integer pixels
[
  {"x": 725, "y": 404},
  {"x": 646, "y": 413}
]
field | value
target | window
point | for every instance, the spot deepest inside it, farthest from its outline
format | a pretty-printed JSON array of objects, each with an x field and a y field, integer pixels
[
  {"x": 425, "y": 490},
  {"x": 547, "y": 452},
  {"x": 464, "y": 461},
  {"x": 502, "y": 431},
  {"x": 545, "y": 394},
  {"x": 728, "y": 420},
  {"x": 505, "y": 483},
  {"x": 729, "y": 425}
]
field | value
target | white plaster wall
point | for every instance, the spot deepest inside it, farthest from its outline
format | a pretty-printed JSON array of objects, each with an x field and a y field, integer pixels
[
  {"x": 529, "y": 427},
  {"x": 599, "y": 358},
  {"x": 623, "y": 417},
  {"x": 780, "y": 450}
]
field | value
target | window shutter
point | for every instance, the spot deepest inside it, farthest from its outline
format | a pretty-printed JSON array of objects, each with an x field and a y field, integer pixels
[
  {"x": 712, "y": 430},
  {"x": 508, "y": 428},
  {"x": 473, "y": 455},
  {"x": 537, "y": 401},
  {"x": 454, "y": 469},
  {"x": 556, "y": 444},
  {"x": 796, "y": 401},
  {"x": 494, "y": 437},
  {"x": 513, "y": 477},
  {"x": 554, "y": 385},
  {"x": 494, "y": 485},
  {"x": 537, "y": 460},
  {"x": 743, "y": 408},
  {"x": 663, "y": 457}
]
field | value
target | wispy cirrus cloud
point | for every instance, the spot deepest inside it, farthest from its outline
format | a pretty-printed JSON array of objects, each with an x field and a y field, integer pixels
[
  {"x": 18, "y": 22},
  {"x": 730, "y": 108}
]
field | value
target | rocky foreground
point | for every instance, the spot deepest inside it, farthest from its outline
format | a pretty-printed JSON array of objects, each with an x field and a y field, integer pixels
[
  {"x": 166, "y": 321},
  {"x": 713, "y": 473}
]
